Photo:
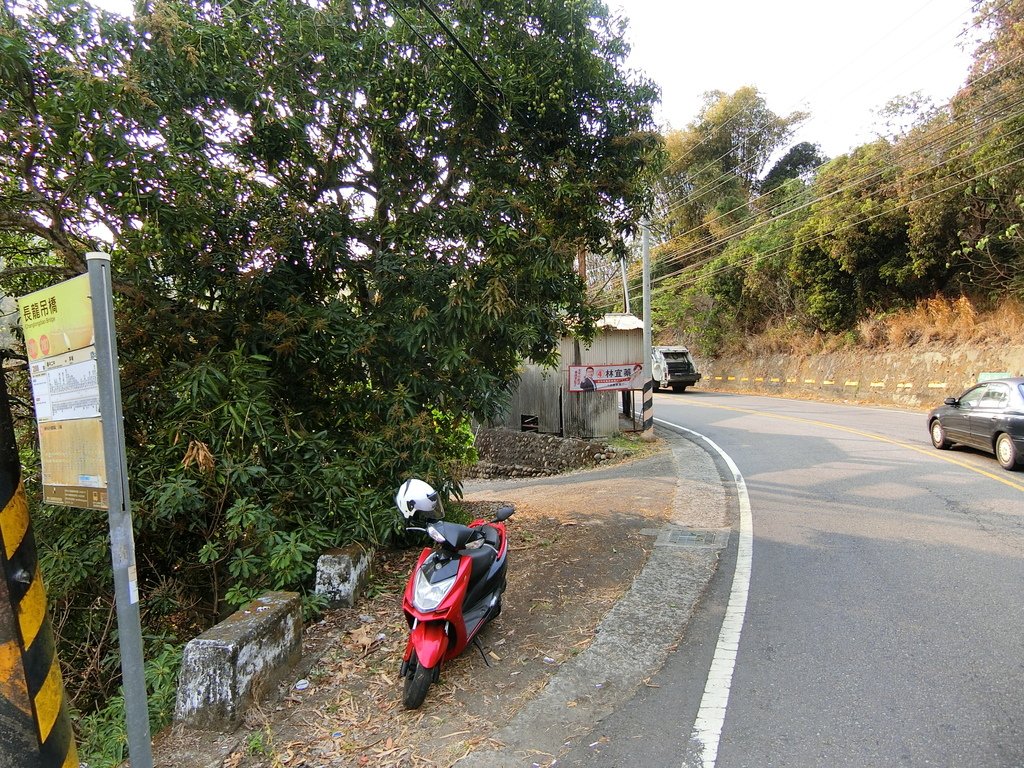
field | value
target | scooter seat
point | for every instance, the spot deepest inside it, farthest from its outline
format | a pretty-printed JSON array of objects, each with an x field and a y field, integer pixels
[
  {"x": 491, "y": 535},
  {"x": 481, "y": 559}
]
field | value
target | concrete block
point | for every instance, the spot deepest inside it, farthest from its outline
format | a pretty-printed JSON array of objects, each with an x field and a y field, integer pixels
[
  {"x": 237, "y": 662},
  {"x": 342, "y": 574}
]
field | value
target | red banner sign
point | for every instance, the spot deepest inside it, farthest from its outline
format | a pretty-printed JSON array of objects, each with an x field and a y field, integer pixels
[{"x": 616, "y": 377}]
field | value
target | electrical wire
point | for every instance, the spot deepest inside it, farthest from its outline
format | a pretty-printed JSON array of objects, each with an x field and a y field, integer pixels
[
  {"x": 750, "y": 259},
  {"x": 726, "y": 177},
  {"x": 445, "y": 62},
  {"x": 741, "y": 228},
  {"x": 887, "y": 188},
  {"x": 951, "y": 139},
  {"x": 461, "y": 46},
  {"x": 769, "y": 123},
  {"x": 960, "y": 132},
  {"x": 948, "y": 104},
  {"x": 819, "y": 238},
  {"x": 754, "y": 257}
]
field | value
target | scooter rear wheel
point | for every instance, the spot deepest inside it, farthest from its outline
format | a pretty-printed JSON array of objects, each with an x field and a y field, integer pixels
[{"x": 417, "y": 682}]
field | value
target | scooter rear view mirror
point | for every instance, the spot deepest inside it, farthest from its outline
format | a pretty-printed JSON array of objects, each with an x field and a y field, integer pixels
[{"x": 504, "y": 513}]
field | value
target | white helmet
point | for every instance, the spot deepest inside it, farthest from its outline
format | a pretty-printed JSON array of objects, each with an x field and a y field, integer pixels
[{"x": 415, "y": 496}]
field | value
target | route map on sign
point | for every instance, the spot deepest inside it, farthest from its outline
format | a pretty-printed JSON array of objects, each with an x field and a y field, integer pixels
[
  {"x": 61, "y": 348},
  {"x": 66, "y": 387}
]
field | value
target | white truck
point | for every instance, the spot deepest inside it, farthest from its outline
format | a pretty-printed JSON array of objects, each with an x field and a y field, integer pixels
[{"x": 673, "y": 367}]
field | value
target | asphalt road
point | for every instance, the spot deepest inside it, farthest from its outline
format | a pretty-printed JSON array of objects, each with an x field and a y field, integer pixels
[{"x": 883, "y": 621}]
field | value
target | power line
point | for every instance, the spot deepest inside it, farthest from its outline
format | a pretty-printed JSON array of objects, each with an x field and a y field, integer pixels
[
  {"x": 947, "y": 105},
  {"x": 864, "y": 220},
  {"x": 727, "y": 176},
  {"x": 942, "y": 143},
  {"x": 964, "y": 129},
  {"x": 951, "y": 140},
  {"x": 461, "y": 46},
  {"x": 890, "y": 209},
  {"x": 444, "y": 61},
  {"x": 768, "y": 124},
  {"x": 772, "y": 219},
  {"x": 751, "y": 259}
]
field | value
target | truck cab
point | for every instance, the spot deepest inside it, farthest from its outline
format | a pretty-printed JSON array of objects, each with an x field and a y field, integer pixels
[{"x": 673, "y": 367}]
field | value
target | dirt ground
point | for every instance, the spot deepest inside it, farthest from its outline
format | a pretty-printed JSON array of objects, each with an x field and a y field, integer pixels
[{"x": 576, "y": 545}]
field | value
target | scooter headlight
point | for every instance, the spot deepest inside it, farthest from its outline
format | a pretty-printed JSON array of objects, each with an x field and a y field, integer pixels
[{"x": 427, "y": 596}]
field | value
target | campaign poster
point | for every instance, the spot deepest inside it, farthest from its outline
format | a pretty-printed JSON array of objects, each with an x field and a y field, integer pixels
[{"x": 618, "y": 377}]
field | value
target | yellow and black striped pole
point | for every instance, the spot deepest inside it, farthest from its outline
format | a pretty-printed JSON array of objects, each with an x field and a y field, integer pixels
[
  {"x": 648, "y": 405},
  {"x": 35, "y": 729}
]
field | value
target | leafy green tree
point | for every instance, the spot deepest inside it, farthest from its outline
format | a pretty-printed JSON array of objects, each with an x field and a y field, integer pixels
[
  {"x": 994, "y": 171},
  {"x": 711, "y": 175},
  {"x": 860, "y": 225},
  {"x": 336, "y": 231},
  {"x": 933, "y": 168},
  {"x": 799, "y": 162},
  {"x": 762, "y": 255}
]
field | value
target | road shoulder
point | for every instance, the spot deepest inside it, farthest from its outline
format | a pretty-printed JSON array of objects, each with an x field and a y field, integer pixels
[{"x": 633, "y": 640}]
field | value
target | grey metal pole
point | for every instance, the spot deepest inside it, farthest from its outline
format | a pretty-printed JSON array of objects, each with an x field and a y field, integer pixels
[
  {"x": 625, "y": 286},
  {"x": 119, "y": 513},
  {"x": 648, "y": 430},
  {"x": 645, "y": 241}
]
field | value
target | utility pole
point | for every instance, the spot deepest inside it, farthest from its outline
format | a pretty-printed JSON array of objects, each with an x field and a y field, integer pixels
[
  {"x": 648, "y": 431},
  {"x": 627, "y": 397},
  {"x": 625, "y": 286}
]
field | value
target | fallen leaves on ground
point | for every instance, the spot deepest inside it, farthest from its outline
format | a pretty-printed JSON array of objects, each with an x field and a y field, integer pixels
[{"x": 351, "y": 714}]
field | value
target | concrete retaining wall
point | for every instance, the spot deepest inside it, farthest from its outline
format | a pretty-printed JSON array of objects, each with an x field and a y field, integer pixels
[
  {"x": 916, "y": 379},
  {"x": 238, "y": 662}
]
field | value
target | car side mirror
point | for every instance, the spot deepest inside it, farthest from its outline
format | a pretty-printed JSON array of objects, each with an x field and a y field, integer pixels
[{"x": 951, "y": 401}]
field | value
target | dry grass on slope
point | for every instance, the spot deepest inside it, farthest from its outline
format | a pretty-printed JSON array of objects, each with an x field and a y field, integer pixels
[
  {"x": 946, "y": 322},
  {"x": 938, "y": 321}
]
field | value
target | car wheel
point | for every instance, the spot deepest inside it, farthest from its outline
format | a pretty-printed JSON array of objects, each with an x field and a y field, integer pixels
[
  {"x": 1006, "y": 451},
  {"x": 657, "y": 385},
  {"x": 938, "y": 435}
]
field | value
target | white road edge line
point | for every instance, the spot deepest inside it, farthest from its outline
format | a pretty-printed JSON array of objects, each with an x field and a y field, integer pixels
[{"x": 707, "y": 730}]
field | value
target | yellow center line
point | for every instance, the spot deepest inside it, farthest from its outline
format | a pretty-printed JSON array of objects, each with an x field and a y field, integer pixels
[{"x": 935, "y": 454}]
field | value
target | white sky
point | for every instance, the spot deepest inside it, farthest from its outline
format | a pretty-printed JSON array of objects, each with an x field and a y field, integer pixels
[{"x": 840, "y": 61}]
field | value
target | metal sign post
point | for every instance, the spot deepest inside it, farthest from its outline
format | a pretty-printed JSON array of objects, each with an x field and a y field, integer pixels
[{"x": 122, "y": 541}]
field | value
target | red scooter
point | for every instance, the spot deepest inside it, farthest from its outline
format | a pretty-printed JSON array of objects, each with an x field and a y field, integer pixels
[{"x": 453, "y": 591}]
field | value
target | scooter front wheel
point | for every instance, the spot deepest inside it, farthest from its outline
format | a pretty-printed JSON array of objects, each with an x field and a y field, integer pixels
[{"x": 417, "y": 682}]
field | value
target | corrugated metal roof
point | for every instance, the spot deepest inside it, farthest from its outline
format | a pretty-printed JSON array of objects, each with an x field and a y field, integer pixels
[{"x": 620, "y": 321}]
